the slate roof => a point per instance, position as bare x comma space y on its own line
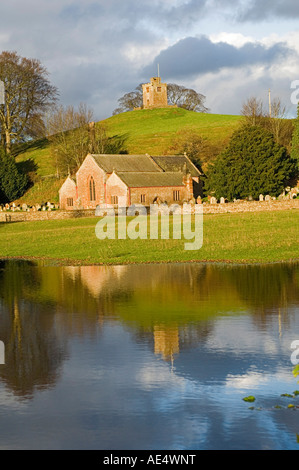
176, 163
126, 163
146, 163
149, 179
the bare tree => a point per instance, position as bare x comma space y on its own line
129, 101
68, 133
175, 93
186, 98
274, 120
28, 94
253, 111
73, 134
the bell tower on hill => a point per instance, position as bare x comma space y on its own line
155, 94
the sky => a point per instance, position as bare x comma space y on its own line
97, 50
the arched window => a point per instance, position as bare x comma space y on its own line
92, 189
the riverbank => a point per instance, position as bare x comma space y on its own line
249, 237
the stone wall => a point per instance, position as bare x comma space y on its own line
163, 193
237, 207
44, 215
250, 206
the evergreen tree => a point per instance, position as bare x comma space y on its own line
12, 183
295, 139
252, 164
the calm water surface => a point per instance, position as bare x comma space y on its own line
148, 357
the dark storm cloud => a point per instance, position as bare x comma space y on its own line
83, 45
133, 12
256, 10
195, 56
96, 50
185, 14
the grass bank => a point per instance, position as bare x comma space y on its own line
153, 130
146, 131
237, 238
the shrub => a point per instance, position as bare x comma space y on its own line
12, 183
252, 164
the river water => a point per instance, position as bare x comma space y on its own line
148, 357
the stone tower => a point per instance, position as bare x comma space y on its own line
155, 94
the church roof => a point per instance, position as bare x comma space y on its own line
176, 163
126, 163
149, 179
146, 163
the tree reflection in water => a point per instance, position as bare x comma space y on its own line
171, 307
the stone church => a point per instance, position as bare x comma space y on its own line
124, 180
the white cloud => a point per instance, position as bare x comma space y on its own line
234, 39
139, 55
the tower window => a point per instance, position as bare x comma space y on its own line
159, 89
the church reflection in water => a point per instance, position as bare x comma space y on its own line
171, 307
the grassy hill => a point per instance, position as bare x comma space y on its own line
146, 131
152, 131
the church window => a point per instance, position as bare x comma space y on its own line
92, 190
176, 195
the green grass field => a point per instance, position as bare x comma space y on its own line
238, 238
153, 131
146, 131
